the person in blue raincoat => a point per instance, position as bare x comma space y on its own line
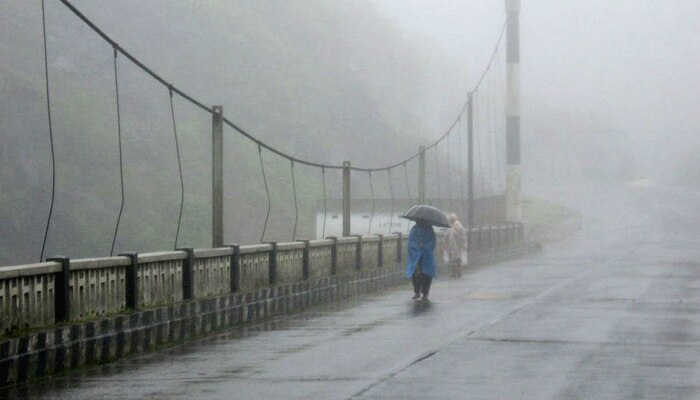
420, 267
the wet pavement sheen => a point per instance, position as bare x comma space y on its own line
613, 313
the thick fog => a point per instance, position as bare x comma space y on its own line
609, 89
608, 92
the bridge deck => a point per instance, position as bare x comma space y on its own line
611, 314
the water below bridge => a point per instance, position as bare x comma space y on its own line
613, 313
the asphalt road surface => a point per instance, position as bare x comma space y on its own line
612, 313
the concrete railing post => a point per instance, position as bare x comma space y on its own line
334, 254
187, 273
61, 291
217, 173
235, 279
358, 252
273, 263
306, 259
346, 198
131, 281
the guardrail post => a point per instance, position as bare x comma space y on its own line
334, 254
187, 274
273, 263
131, 281
399, 250
358, 253
380, 251
235, 267
306, 259
508, 227
61, 291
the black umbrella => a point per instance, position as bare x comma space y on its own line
429, 214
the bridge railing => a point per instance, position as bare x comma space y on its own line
65, 290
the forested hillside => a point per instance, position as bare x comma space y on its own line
326, 81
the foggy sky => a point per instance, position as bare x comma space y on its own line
596, 75
630, 64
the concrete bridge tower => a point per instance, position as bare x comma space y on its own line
513, 170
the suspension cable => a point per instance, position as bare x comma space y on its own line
121, 156
48, 107
371, 191
179, 167
296, 206
267, 193
238, 129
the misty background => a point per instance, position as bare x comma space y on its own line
608, 92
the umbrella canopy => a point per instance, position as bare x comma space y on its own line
429, 214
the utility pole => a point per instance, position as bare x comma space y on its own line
470, 158
513, 169
217, 173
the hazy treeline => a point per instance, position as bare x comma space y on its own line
326, 81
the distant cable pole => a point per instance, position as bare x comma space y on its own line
513, 171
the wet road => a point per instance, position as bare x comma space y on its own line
613, 313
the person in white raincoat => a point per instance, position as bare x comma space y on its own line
455, 247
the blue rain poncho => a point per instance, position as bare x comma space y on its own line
421, 248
